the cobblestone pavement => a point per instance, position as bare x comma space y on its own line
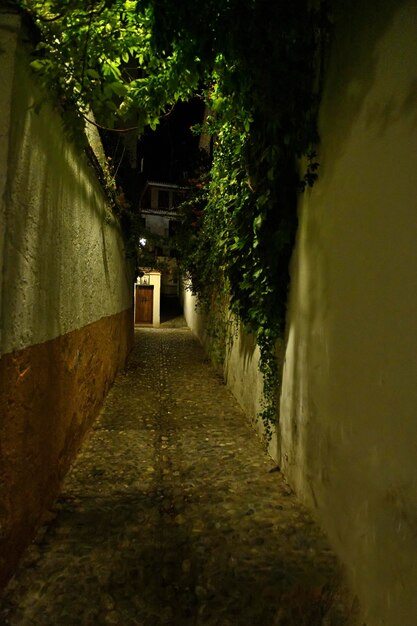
173, 514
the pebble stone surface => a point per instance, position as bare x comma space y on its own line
173, 514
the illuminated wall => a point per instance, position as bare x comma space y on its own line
66, 295
348, 404
240, 368
349, 401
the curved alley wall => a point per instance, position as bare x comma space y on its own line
66, 316
349, 400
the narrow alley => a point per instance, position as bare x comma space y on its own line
172, 514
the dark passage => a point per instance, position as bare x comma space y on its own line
172, 515
171, 311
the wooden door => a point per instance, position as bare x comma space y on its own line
144, 304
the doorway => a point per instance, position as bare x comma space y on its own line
144, 304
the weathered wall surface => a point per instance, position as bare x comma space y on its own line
194, 318
66, 296
349, 400
349, 397
240, 368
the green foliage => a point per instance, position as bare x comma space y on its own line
100, 55
256, 64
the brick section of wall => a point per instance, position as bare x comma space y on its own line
50, 394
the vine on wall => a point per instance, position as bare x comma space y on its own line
255, 63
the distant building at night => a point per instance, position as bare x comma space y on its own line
158, 206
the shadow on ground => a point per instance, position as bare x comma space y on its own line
171, 515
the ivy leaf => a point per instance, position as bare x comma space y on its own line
257, 223
93, 73
118, 88
37, 65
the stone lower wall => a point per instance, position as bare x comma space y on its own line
50, 395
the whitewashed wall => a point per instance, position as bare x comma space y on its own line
66, 296
348, 424
349, 401
63, 263
240, 369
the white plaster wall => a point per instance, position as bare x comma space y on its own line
63, 263
242, 376
9, 29
155, 280
349, 399
241, 367
193, 316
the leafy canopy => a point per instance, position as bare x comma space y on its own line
256, 64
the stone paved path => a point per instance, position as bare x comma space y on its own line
172, 514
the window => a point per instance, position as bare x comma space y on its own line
146, 199
179, 196
163, 199
172, 229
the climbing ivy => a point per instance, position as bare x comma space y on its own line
256, 64
263, 120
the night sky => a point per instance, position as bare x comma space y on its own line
168, 153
